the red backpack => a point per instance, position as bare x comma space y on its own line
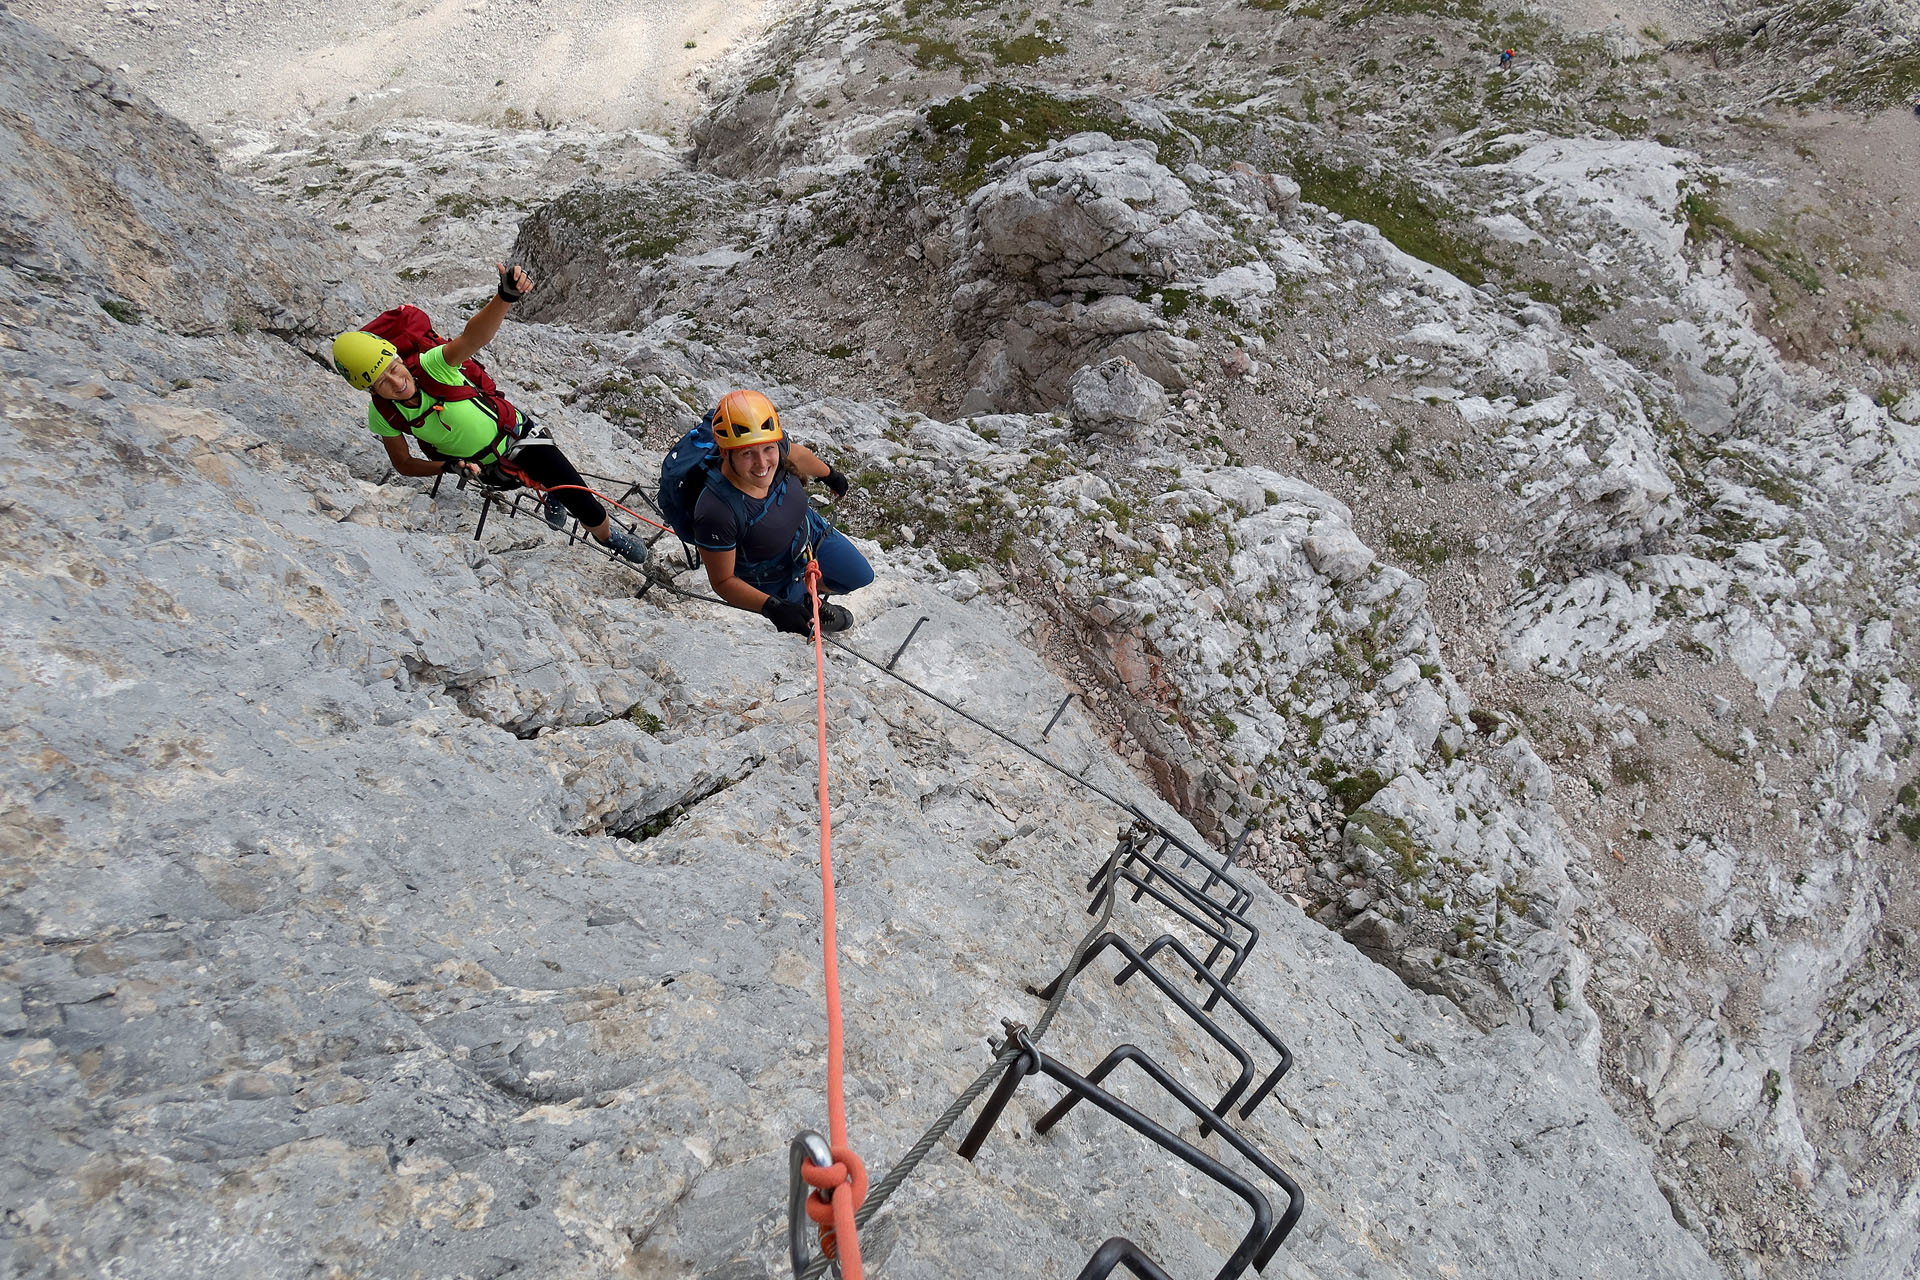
412, 333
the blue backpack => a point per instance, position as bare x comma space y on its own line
694, 463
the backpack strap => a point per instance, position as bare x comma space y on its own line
779, 567
446, 393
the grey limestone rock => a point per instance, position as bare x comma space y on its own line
1115, 398
379, 901
1043, 344
1341, 558
1054, 255
102, 191
1088, 215
389, 903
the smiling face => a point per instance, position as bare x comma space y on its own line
394, 383
753, 467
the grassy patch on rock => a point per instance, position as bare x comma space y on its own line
1417, 223
1706, 219
640, 223
1003, 120
1389, 837
1024, 51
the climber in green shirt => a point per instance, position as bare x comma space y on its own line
426, 396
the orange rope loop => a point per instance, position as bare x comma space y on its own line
834, 1214
841, 1237
537, 487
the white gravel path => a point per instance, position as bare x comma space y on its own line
227, 64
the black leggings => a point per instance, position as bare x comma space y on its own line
539, 460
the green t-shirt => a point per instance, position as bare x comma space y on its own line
456, 429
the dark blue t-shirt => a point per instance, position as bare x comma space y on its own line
772, 521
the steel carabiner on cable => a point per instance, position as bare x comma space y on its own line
807, 1145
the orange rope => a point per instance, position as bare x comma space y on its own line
537, 487
832, 1213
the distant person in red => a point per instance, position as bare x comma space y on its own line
1506, 56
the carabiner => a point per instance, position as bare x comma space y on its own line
808, 1145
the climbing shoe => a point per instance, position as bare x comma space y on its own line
626, 546
834, 617
557, 513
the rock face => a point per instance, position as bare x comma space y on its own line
105, 193
1115, 398
1087, 215
380, 901
1552, 639
1049, 261
1535, 576
409, 955
1042, 347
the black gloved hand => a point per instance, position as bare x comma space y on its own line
836, 482
794, 619
509, 291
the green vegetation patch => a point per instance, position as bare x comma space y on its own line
1349, 792
1578, 309
1879, 83
1466, 10
1417, 223
1906, 813
1024, 51
642, 223
931, 51
945, 8
1005, 120
1389, 835
1705, 220
1625, 126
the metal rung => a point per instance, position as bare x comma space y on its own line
1218, 871
1033, 1061
1205, 914
1296, 1199
920, 622
1058, 712
1139, 962
1120, 1251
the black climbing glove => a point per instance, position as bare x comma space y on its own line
836, 482
507, 292
794, 619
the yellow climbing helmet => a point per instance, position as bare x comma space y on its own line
361, 357
743, 418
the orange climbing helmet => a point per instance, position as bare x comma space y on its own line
745, 418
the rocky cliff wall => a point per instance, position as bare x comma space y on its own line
1605, 355
384, 902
